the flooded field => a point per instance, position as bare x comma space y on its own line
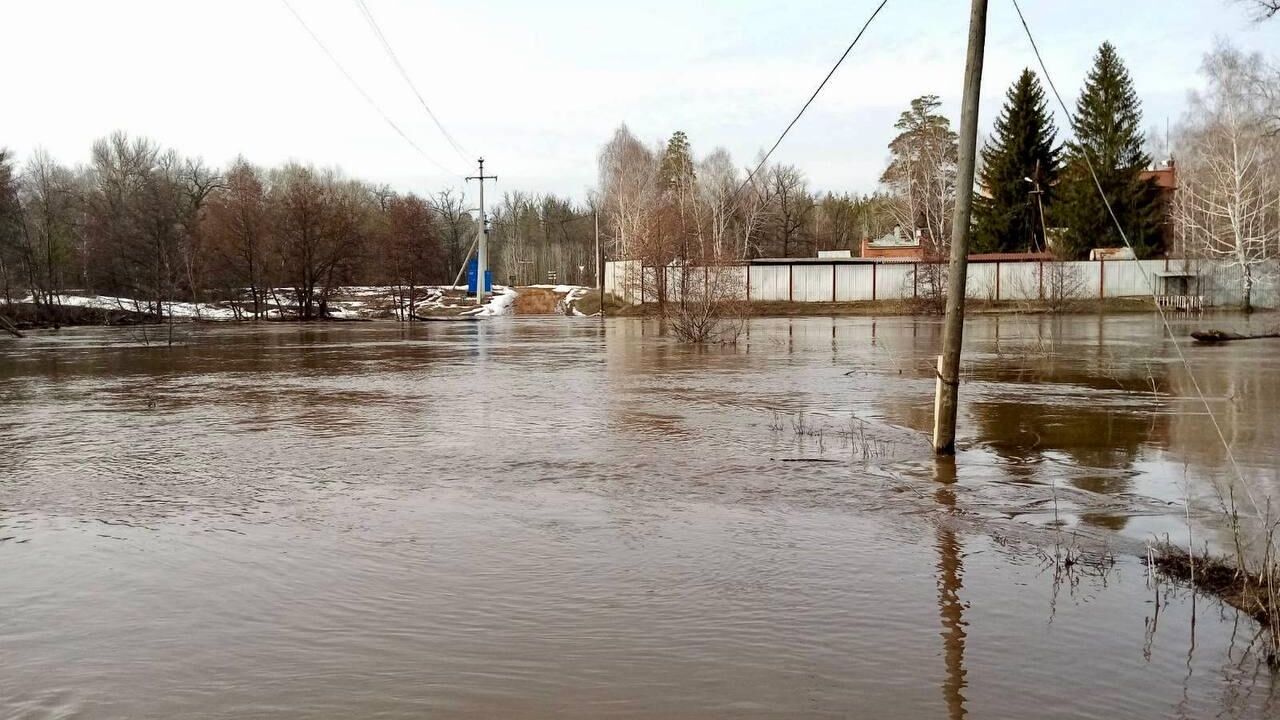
543, 518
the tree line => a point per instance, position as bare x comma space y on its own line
147, 223
1035, 191
151, 224
659, 203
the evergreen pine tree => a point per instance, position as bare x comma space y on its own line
1007, 214
1107, 122
676, 169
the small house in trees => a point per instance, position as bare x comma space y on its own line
1165, 178
894, 245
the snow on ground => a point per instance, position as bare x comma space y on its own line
498, 304
203, 311
563, 289
346, 303
572, 294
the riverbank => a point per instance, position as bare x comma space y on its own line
344, 304
443, 302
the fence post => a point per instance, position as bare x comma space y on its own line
915, 281
997, 281
873, 281
1102, 280
791, 282
1041, 264
833, 282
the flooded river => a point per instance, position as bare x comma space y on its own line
537, 518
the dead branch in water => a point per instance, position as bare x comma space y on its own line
1213, 337
9, 327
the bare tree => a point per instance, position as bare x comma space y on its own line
1263, 9
10, 222
755, 209
196, 182
415, 251
49, 204
320, 222
457, 227
629, 189
717, 182
1230, 194
240, 226
788, 226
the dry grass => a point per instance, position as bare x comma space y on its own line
536, 301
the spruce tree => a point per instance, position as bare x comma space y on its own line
1007, 215
1106, 125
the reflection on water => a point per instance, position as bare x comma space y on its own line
950, 582
577, 519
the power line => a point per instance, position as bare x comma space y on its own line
809, 102
373, 24
1084, 151
368, 98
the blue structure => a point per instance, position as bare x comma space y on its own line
471, 278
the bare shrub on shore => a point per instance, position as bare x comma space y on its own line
1063, 286
706, 304
1058, 288
931, 285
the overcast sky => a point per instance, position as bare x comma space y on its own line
537, 87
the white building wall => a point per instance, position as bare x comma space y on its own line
853, 283
1220, 282
896, 281
813, 283
981, 284
1019, 281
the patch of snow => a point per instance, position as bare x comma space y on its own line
499, 304
203, 311
562, 288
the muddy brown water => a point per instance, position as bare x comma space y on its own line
557, 517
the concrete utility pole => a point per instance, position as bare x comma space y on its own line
599, 279
948, 387
481, 257
600, 266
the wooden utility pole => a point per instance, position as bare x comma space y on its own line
948, 385
481, 258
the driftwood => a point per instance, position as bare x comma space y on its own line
9, 327
1213, 337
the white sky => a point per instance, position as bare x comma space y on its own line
538, 86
